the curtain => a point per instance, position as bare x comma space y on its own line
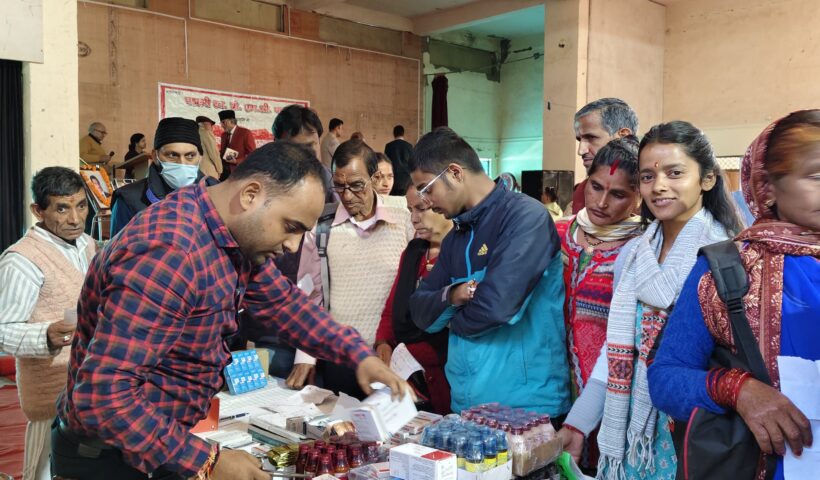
11, 153
439, 115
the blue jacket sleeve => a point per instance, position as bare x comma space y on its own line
526, 245
677, 377
120, 216
429, 301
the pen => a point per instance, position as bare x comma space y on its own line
232, 417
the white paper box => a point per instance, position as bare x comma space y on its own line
417, 462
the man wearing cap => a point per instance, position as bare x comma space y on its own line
176, 158
238, 139
211, 164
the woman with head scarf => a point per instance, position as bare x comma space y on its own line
780, 178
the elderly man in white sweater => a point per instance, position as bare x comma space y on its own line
367, 237
40, 279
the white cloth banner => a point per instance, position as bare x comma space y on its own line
254, 112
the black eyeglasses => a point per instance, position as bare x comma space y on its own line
357, 187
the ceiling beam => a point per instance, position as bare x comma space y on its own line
343, 10
464, 14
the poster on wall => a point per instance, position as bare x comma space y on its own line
254, 112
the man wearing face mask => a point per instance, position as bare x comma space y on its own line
176, 156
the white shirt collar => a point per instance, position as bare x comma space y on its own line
80, 244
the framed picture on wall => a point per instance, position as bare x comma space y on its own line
98, 183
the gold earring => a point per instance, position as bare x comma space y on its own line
769, 203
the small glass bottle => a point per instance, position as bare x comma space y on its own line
356, 457
324, 466
460, 449
312, 463
474, 457
341, 467
490, 451
501, 441
371, 452
302, 457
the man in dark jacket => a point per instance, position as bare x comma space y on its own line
176, 156
399, 152
497, 284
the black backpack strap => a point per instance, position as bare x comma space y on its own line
322, 239
732, 284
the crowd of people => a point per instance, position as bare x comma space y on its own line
611, 319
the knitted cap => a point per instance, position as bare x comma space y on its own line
177, 130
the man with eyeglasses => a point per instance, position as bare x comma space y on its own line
364, 243
497, 284
91, 149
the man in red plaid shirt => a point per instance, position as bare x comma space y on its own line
159, 302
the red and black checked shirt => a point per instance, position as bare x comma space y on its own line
157, 305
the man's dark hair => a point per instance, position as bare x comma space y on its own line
283, 165
54, 182
398, 131
441, 147
334, 122
293, 119
615, 115
347, 151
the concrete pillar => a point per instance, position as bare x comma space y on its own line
566, 35
51, 96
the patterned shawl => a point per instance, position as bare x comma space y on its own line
766, 244
630, 420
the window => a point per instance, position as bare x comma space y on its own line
487, 165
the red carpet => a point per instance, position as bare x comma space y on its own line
12, 425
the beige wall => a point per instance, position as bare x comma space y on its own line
133, 50
603, 55
50, 99
627, 62
566, 35
733, 66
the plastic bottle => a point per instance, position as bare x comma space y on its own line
474, 457
548, 429
324, 466
341, 467
490, 450
501, 441
517, 445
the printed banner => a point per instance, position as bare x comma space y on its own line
254, 112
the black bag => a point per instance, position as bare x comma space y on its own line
722, 446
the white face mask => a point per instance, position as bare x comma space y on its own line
178, 175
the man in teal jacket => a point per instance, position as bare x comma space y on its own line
497, 284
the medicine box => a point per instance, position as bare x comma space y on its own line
417, 462
245, 372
